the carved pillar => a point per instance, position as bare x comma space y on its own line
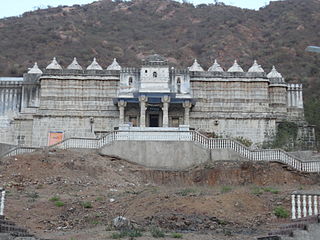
165, 111
121, 104
187, 105
143, 100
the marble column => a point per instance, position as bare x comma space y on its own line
121, 104
187, 105
165, 111
143, 100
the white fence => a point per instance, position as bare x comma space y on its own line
304, 205
276, 155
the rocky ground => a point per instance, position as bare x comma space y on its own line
76, 194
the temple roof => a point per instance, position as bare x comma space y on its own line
114, 65
94, 65
74, 65
196, 67
35, 70
235, 67
256, 68
54, 65
274, 73
216, 67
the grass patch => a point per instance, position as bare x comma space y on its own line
271, 190
157, 232
86, 204
99, 199
127, 233
258, 190
186, 192
225, 189
54, 199
59, 203
176, 235
281, 212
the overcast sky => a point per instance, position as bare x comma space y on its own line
17, 7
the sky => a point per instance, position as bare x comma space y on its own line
17, 7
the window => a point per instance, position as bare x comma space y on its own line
146, 71
178, 85
175, 122
133, 121
155, 74
130, 82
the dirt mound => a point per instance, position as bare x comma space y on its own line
76, 194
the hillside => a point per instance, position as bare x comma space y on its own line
275, 35
76, 194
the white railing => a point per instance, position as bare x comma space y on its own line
276, 155
3, 193
304, 205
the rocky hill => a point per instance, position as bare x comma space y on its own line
275, 35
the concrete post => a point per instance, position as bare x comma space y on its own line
3, 192
143, 100
121, 104
187, 105
165, 110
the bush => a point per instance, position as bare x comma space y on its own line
271, 190
225, 189
157, 233
54, 199
176, 235
244, 141
186, 192
281, 212
59, 203
127, 233
86, 205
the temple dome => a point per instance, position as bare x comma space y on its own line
235, 67
35, 70
256, 68
196, 67
54, 65
216, 67
94, 65
74, 65
114, 65
274, 73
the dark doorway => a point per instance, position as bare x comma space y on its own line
153, 120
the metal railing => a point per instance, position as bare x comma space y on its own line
270, 155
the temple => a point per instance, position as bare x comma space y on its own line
48, 105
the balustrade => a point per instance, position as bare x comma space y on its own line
304, 205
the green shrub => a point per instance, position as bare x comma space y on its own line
86, 205
244, 141
54, 199
257, 191
157, 233
281, 212
59, 203
271, 190
127, 233
176, 235
186, 192
225, 189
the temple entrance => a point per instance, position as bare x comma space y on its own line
154, 120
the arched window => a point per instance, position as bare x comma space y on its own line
155, 74
178, 85
130, 81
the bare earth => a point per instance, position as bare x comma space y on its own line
221, 201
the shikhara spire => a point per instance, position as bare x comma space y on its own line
94, 65
54, 65
114, 65
196, 67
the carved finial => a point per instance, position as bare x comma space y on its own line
235, 67
274, 73
94, 65
256, 67
74, 65
196, 67
35, 69
54, 65
114, 65
216, 67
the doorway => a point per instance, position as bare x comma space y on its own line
154, 120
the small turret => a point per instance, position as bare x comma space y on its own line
54, 65
94, 65
114, 66
235, 67
196, 67
35, 70
256, 68
216, 67
74, 65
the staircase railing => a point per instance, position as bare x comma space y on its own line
304, 205
269, 155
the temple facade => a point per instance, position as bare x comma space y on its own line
48, 105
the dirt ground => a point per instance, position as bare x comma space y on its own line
76, 194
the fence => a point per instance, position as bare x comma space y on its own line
274, 155
304, 205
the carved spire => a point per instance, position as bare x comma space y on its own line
54, 65
35, 70
94, 65
235, 67
114, 65
196, 67
256, 68
274, 73
216, 67
74, 65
